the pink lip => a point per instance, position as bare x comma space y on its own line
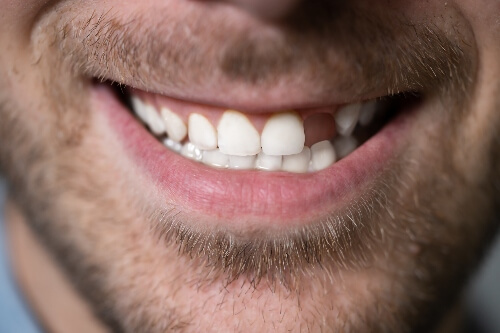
275, 199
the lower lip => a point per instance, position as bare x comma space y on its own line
239, 198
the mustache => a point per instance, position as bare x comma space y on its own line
359, 48
331, 45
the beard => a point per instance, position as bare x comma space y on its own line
391, 260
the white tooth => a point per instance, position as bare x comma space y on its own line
175, 127
283, 134
155, 123
148, 115
344, 145
346, 119
242, 162
154, 120
268, 162
201, 132
189, 150
173, 145
367, 112
297, 163
215, 158
322, 155
237, 135
139, 108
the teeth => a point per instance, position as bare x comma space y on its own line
155, 122
268, 162
322, 155
242, 162
236, 143
139, 108
201, 132
174, 126
215, 158
297, 163
367, 112
173, 145
148, 115
190, 151
346, 119
237, 135
283, 134
344, 145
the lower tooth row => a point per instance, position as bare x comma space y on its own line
320, 156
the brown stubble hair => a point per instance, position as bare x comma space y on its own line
41, 172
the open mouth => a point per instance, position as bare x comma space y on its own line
254, 169
297, 141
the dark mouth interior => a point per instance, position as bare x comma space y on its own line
388, 108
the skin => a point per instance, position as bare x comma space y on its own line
425, 220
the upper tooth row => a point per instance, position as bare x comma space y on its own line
283, 133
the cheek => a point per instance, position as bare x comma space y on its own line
482, 15
19, 15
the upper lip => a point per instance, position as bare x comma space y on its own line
244, 100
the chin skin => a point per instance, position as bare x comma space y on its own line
424, 223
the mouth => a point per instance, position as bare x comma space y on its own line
298, 141
266, 138
257, 169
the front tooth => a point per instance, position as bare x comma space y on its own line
322, 155
215, 158
242, 162
344, 145
201, 132
236, 135
346, 118
297, 163
268, 162
283, 134
174, 126
189, 150
367, 112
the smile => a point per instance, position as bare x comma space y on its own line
291, 141
240, 169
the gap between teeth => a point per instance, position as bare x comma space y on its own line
236, 144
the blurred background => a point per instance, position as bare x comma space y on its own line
14, 315
482, 295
